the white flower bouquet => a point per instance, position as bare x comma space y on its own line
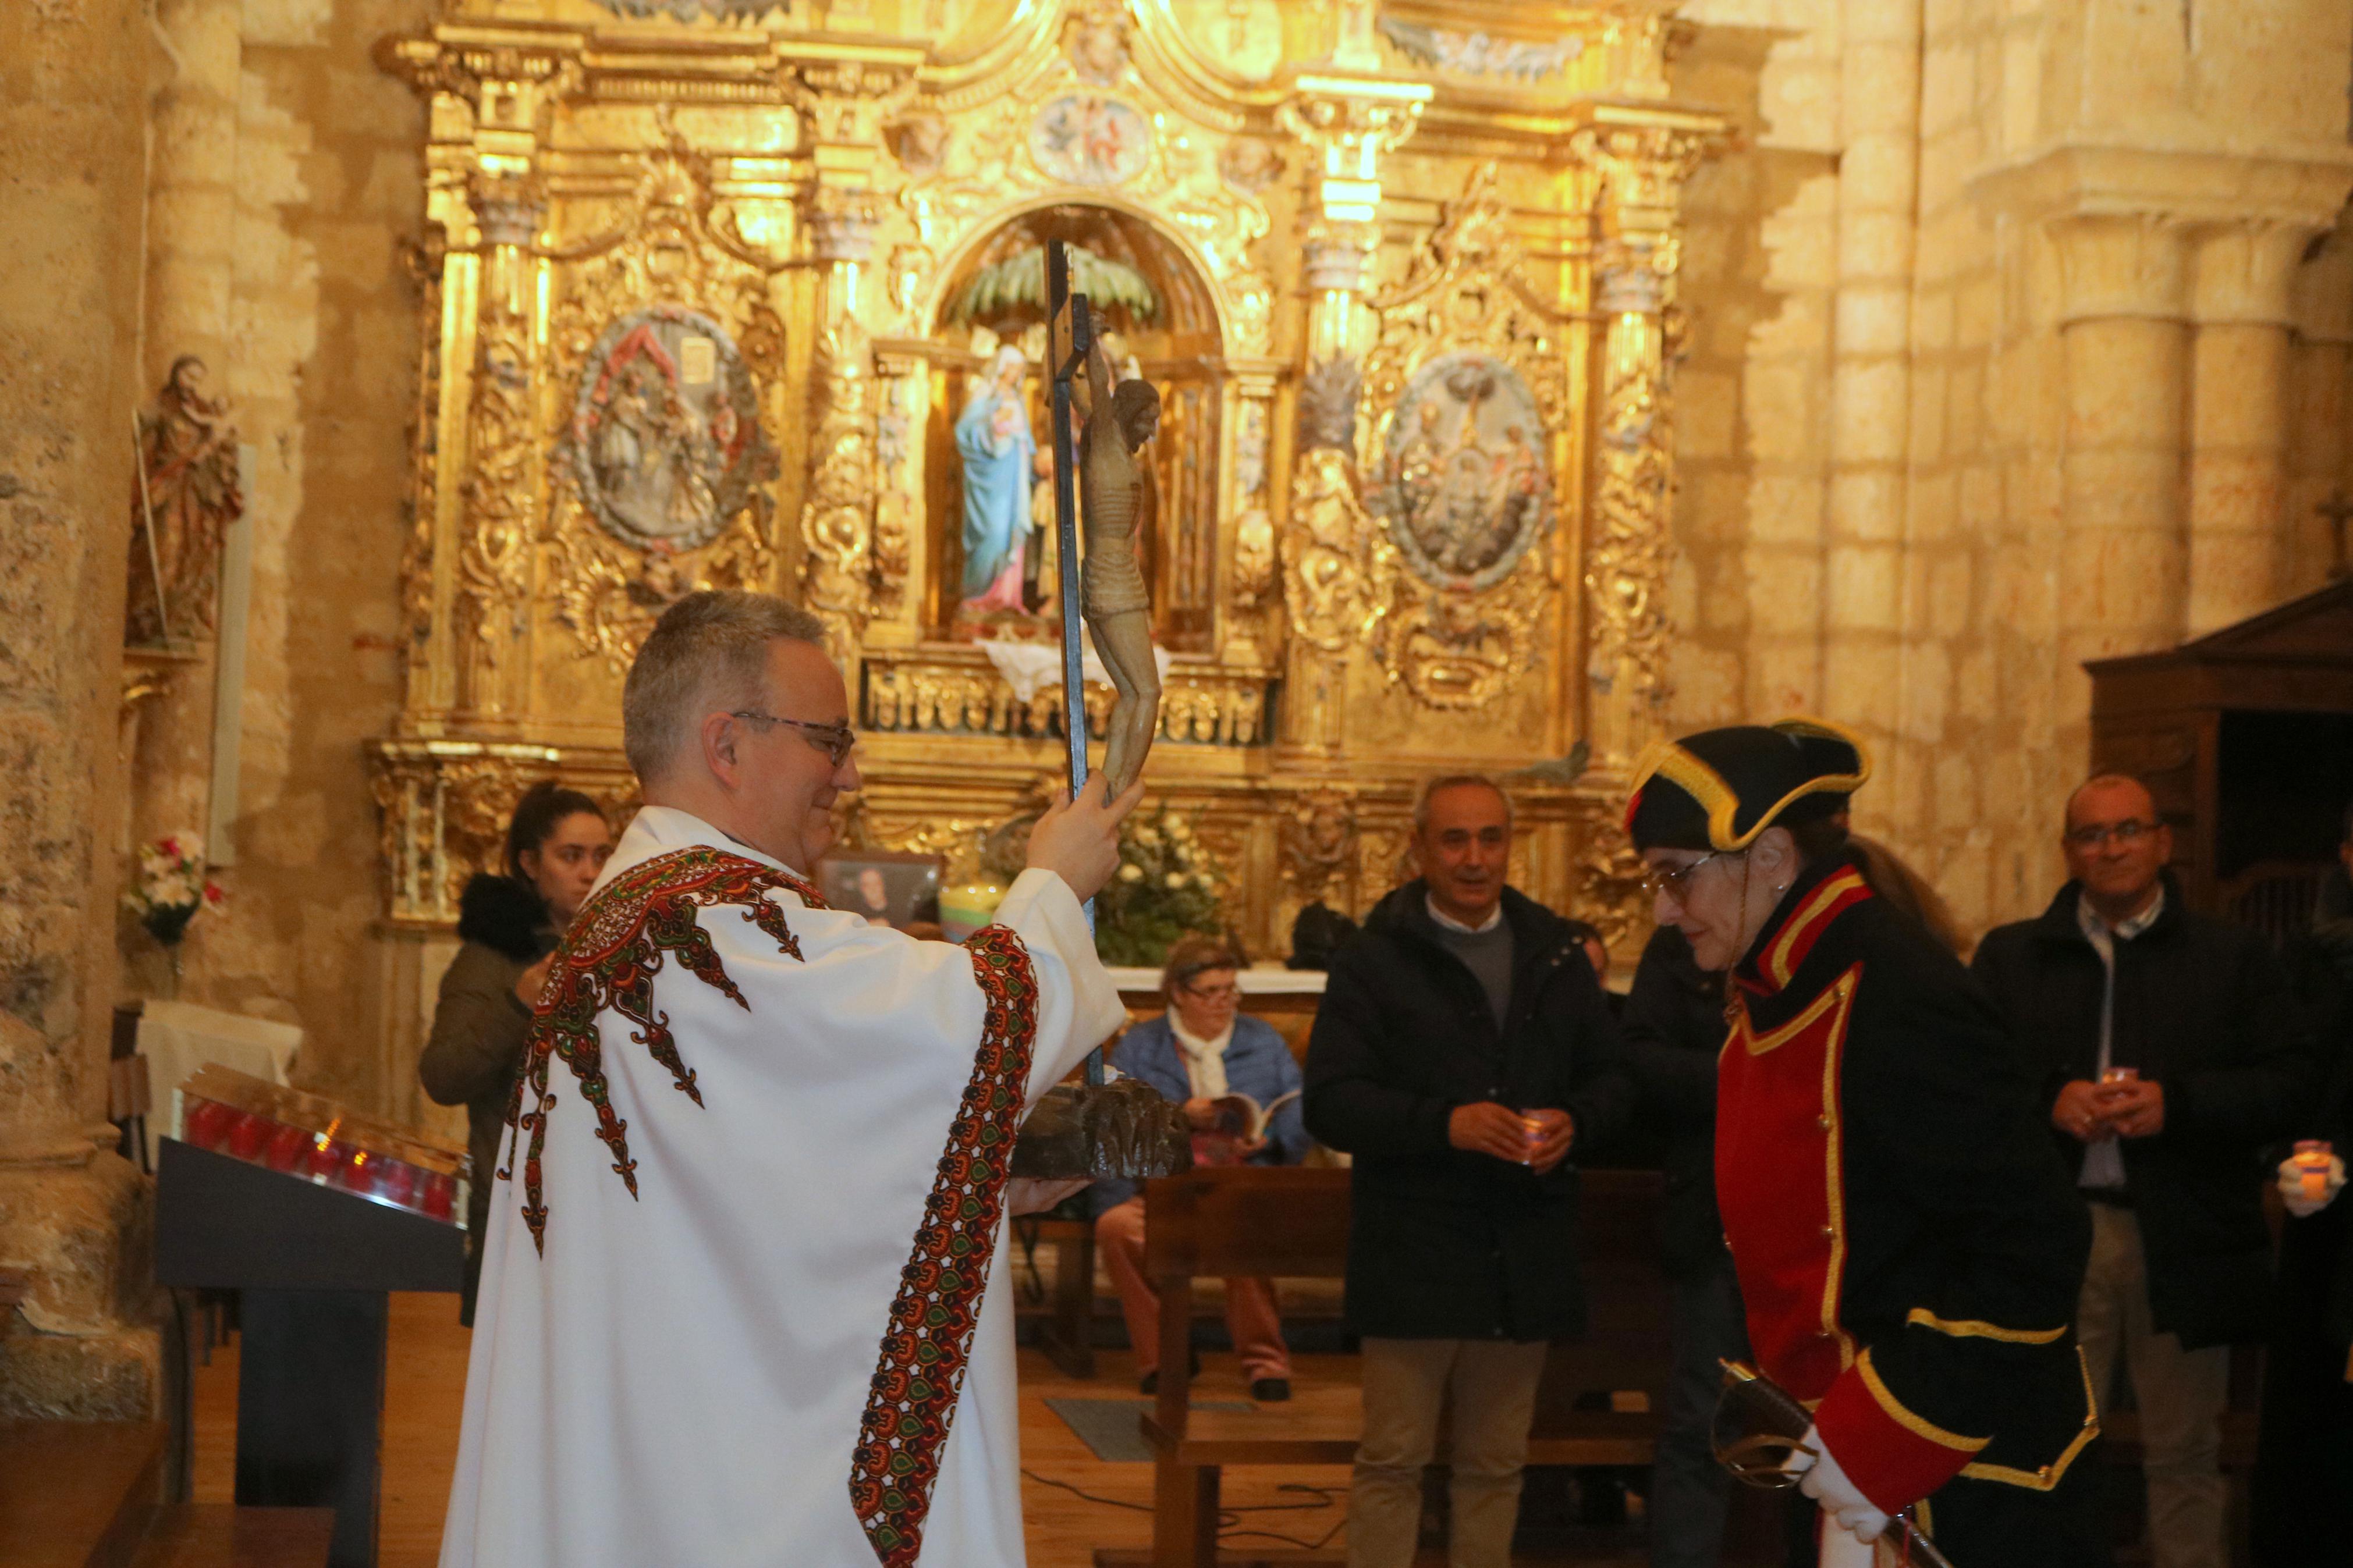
170, 888
1167, 887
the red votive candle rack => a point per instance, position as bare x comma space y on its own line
313, 1139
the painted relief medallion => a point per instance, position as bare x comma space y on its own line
1082, 140
1463, 483
665, 436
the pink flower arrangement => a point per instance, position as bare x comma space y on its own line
172, 889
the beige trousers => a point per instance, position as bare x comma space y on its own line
2180, 1394
1491, 1385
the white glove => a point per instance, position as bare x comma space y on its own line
2292, 1189
1826, 1483
1839, 1550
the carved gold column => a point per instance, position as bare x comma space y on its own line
1347, 119
500, 493
1643, 161
842, 103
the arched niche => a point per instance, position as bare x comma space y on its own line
1165, 315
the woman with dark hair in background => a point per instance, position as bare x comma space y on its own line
508, 921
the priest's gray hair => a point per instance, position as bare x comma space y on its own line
1431, 789
708, 654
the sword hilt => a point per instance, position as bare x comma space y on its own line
1772, 1407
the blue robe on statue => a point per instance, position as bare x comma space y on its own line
997, 479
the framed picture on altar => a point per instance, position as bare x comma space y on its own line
885, 888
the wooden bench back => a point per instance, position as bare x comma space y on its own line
1293, 1223
1244, 1221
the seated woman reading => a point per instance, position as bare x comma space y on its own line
1198, 1053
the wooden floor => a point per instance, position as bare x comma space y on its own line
428, 1381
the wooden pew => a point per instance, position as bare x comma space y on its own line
1294, 1223
87, 1494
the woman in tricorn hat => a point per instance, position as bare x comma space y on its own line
1908, 1249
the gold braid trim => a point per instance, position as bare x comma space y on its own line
2049, 1476
1976, 1329
1918, 1425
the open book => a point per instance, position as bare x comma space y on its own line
1239, 1116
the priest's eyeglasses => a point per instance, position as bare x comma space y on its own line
836, 740
2094, 836
1673, 882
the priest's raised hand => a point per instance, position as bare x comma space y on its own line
735, 1303
1078, 840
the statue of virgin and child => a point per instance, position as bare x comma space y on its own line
1002, 461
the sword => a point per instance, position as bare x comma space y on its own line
1780, 1424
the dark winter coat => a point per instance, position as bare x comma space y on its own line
2303, 1453
1446, 1244
2204, 1008
480, 1027
1673, 1026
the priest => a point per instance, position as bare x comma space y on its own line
735, 1306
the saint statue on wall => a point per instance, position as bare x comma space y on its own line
187, 496
1001, 459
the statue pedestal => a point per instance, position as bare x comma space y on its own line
1121, 1129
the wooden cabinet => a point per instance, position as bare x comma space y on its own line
2245, 736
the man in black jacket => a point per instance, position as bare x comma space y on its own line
1674, 1026
2166, 1049
1463, 1050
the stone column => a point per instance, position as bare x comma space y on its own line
1865, 555
190, 271
2125, 345
2320, 486
2239, 420
72, 138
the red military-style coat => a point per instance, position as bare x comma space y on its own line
1909, 1249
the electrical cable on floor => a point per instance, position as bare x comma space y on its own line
1229, 1519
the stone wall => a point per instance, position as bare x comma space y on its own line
72, 139
2016, 333
2041, 358
297, 261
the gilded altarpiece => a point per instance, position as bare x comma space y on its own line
714, 287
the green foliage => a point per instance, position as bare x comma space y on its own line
1019, 282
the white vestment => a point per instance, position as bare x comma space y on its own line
680, 1378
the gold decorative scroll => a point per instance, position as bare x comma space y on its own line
838, 566
670, 247
1466, 291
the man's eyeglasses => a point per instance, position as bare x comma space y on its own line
1672, 882
1226, 993
836, 740
2094, 836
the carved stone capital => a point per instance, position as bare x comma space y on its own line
845, 101
509, 85
1643, 164
1337, 257
1348, 122
842, 224
1633, 278
508, 207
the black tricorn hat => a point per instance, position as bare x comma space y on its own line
1720, 788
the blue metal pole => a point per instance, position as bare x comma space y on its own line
1066, 318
